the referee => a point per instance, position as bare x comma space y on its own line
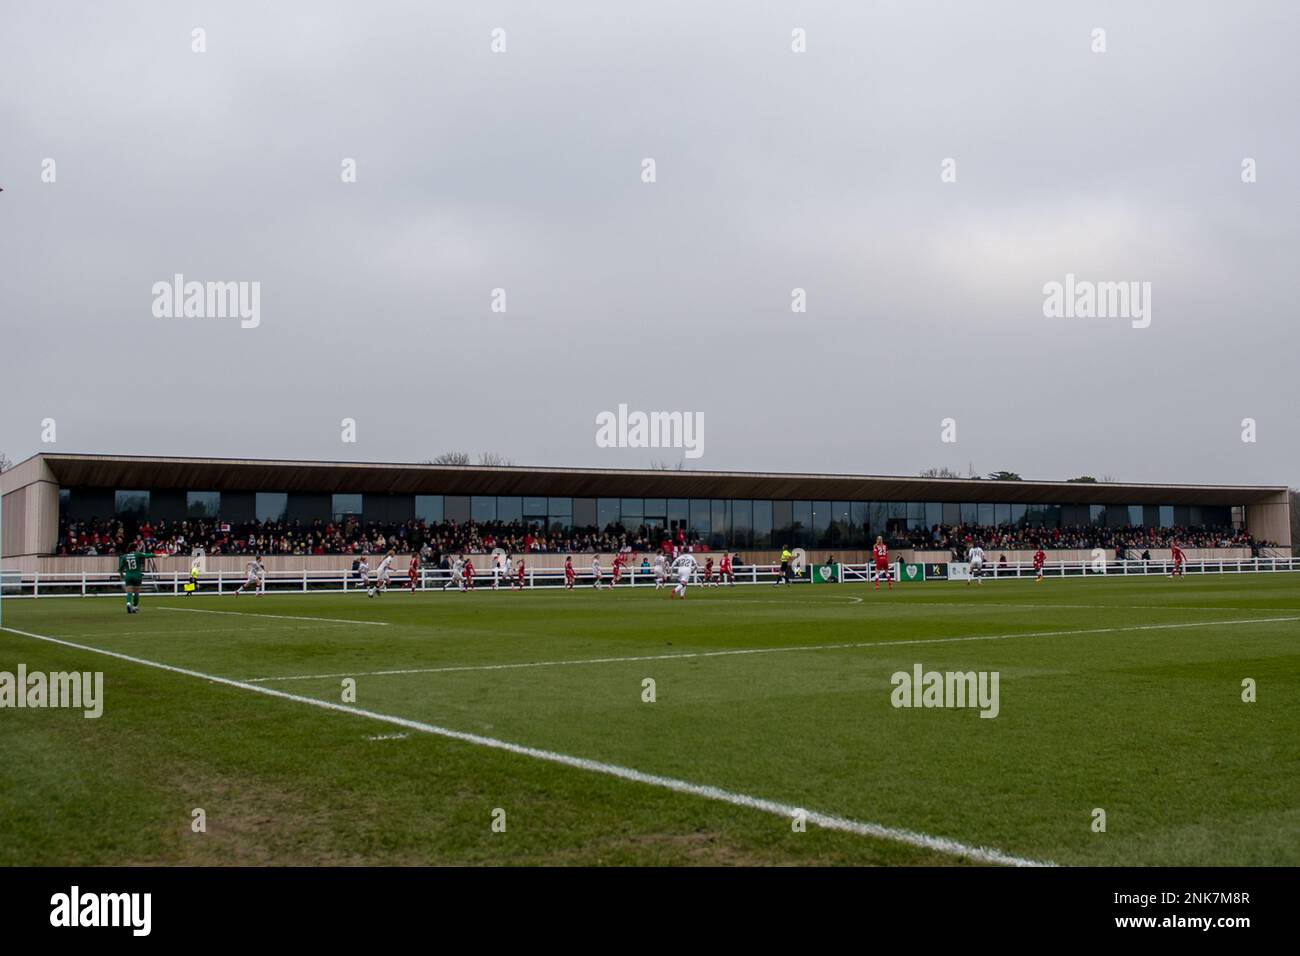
784, 577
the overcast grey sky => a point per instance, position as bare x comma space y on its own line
522, 170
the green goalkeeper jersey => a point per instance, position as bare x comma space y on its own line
131, 563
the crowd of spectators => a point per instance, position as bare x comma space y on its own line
214, 536
960, 538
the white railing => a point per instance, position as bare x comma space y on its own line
91, 584
1129, 568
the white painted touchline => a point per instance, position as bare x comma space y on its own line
736, 652
788, 811
283, 617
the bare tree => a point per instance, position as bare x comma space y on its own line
492, 459
5, 463
665, 466
942, 472
449, 458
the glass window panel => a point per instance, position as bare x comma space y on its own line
821, 524
608, 513
270, 505
65, 496
678, 512
1001, 514
510, 508
742, 523
801, 524
841, 524
428, 508
341, 505
970, 513
720, 527
782, 523
858, 521
701, 517
534, 506
762, 524
1135, 515
559, 506
656, 508
1096, 514
203, 504
456, 508
584, 512
1166, 516
984, 514
879, 515
131, 503
633, 511
483, 508
1018, 515
933, 514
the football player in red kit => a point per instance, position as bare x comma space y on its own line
880, 552
468, 571
1040, 556
724, 570
570, 575
1178, 560
618, 568
518, 583
708, 574
413, 573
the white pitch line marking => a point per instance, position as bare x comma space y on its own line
787, 811
761, 650
283, 617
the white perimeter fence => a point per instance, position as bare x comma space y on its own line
15, 584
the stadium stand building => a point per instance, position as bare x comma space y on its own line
751, 513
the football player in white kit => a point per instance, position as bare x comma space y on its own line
457, 566
256, 577
363, 572
595, 573
508, 567
684, 566
661, 572
976, 565
382, 574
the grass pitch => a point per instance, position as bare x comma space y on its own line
1118, 694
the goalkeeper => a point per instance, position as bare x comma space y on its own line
131, 565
